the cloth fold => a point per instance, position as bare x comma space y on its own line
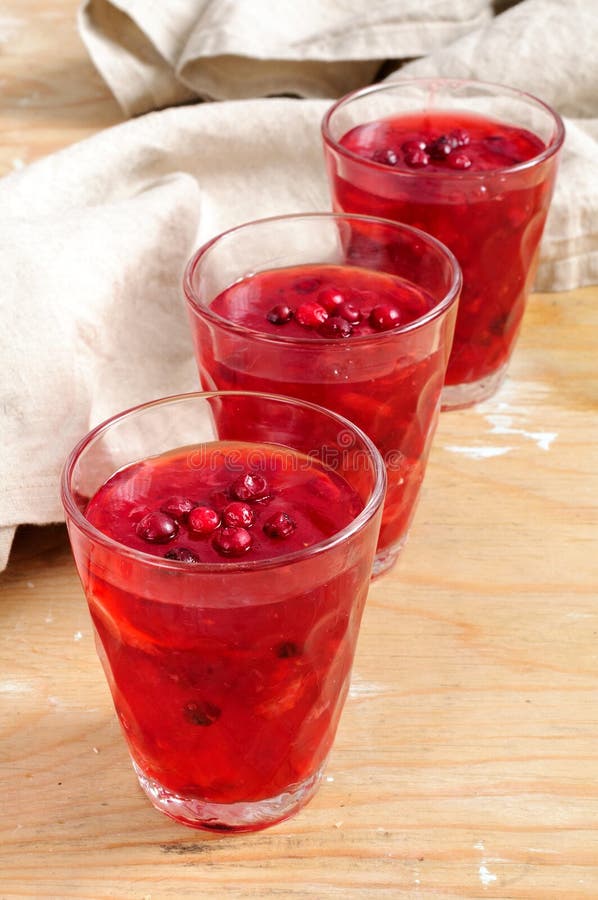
93, 239
156, 54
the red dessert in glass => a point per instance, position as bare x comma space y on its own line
226, 581
478, 182
395, 402
342, 332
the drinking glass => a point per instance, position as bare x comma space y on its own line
388, 383
228, 677
492, 220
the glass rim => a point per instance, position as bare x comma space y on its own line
439, 308
550, 150
372, 505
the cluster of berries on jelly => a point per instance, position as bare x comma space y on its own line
417, 154
228, 526
332, 314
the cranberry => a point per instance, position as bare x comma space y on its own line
307, 285
384, 317
417, 159
250, 486
178, 507
182, 554
157, 528
280, 525
202, 713
331, 299
459, 137
387, 157
238, 513
232, 541
203, 520
413, 146
280, 315
459, 161
350, 313
311, 314
499, 324
335, 326
440, 148
287, 649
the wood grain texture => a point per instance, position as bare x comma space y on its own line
466, 764
50, 93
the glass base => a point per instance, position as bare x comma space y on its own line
232, 817
460, 396
385, 559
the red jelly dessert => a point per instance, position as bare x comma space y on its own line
322, 302
228, 688
189, 505
438, 141
317, 324
463, 178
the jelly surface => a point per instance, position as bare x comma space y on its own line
350, 293
210, 477
486, 144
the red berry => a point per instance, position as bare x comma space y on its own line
250, 486
182, 554
335, 326
311, 314
280, 315
157, 528
440, 148
459, 137
387, 157
202, 713
178, 507
417, 159
350, 313
238, 513
384, 317
459, 161
330, 299
287, 650
280, 525
413, 146
232, 541
203, 520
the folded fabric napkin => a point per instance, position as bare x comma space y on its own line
93, 240
155, 54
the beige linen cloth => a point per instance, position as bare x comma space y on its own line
156, 53
93, 239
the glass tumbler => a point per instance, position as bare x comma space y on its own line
228, 676
388, 382
441, 154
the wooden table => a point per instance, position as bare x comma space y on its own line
466, 764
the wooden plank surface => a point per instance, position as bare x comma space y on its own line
466, 763
50, 93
